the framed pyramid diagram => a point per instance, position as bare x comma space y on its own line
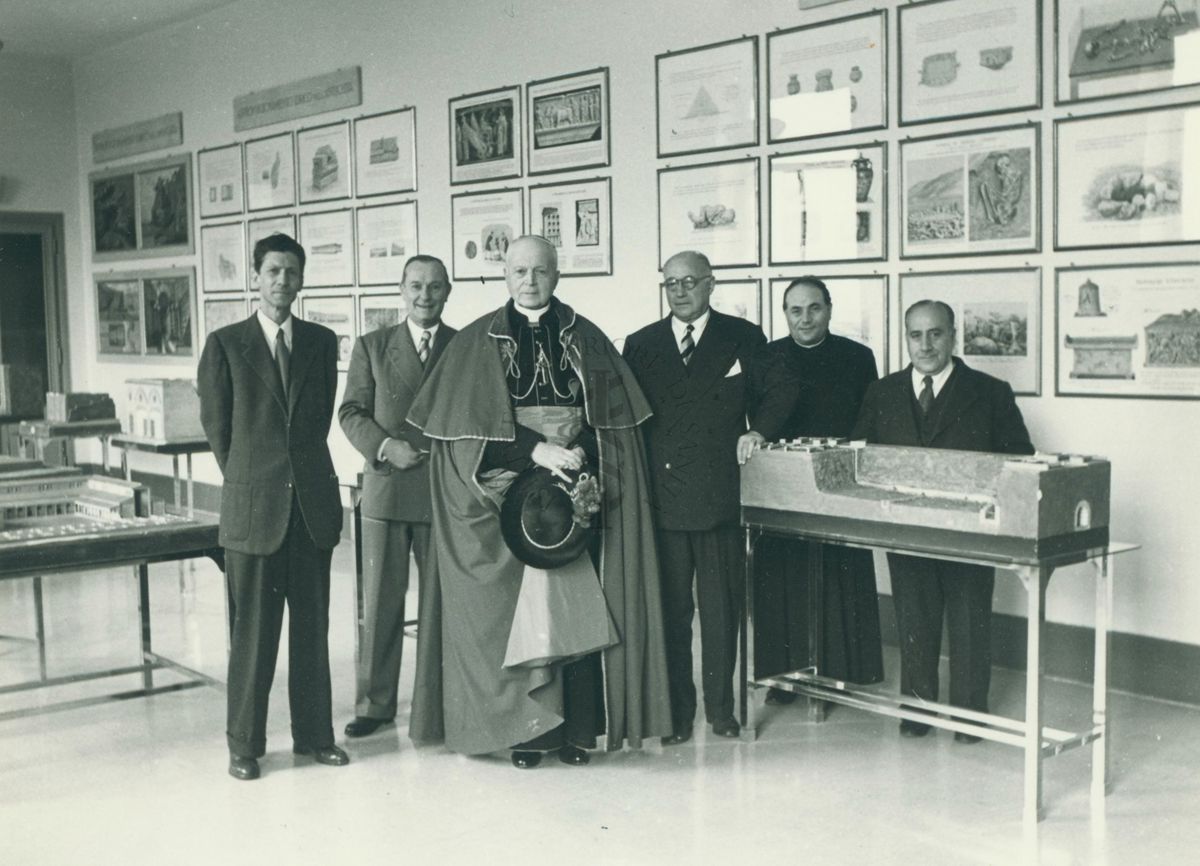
708, 97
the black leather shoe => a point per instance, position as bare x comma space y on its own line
244, 769
362, 726
910, 728
681, 735
965, 738
727, 727
780, 697
526, 760
331, 756
574, 755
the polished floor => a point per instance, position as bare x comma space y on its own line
143, 781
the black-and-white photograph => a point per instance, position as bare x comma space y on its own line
485, 136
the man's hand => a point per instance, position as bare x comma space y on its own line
747, 444
557, 459
402, 455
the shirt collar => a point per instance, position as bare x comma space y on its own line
534, 316
269, 328
680, 327
939, 379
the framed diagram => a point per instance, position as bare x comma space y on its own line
328, 239
482, 224
858, 311
142, 210
998, 319
966, 58
712, 209
377, 311
323, 162
221, 190
577, 218
976, 193
147, 314
335, 312
485, 135
270, 172
568, 122
1128, 330
1113, 47
387, 236
223, 257
1121, 182
257, 229
385, 153
707, 97
829, 205
219, 312
827, 78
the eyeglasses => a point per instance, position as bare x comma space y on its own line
687, 283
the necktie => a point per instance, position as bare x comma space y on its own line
283, 358
687, 345
925, 398
423, 348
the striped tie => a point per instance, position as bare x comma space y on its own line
423, 348
687, 345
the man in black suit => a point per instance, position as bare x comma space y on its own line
267, 389
693, 367
940, 402
387, 369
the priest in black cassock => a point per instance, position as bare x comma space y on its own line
831, 374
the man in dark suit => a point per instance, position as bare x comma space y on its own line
693, 367
940, 402
267, 389
387, 369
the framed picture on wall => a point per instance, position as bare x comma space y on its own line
328, 239
485, 135
827, 78
387, 236
973, 194
323, 160
965, 58
568, 122
829, 205
707, 97
385, 153
270, 172
119, 315
380, 311
223, 257
1128, 330
147, 314
1119, 179
220, 181
712, 209
1111, 47
859, 311
219, 312
335, 312
482, 224
997, 315
142, 210
577, 218
257, 229
739, 298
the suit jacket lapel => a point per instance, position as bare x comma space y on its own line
714, 355
402, 356
259, 358
959, 397
303, 351
440, 340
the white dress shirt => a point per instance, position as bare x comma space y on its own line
269, 330
939, 380
680, 328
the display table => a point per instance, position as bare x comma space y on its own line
1037, 740
175, 448
42, 433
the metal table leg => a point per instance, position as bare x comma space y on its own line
143, 577
746, 643
1100, 721
39, 625
1035, 579
817, 709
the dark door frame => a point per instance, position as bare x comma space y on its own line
50, 228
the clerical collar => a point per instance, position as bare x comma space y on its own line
534, 316
814, 345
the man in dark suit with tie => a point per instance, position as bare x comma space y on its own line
940, 402
693, 367
267, 388
387, 369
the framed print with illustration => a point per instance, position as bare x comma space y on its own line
964, 58
323, 160
568, 122
482, 224
485, 135
219, 312
387, 236
577, 218
829, 205
998, 317
220, 181
739, 298
335, 312
142, 210
707, 97
385, 153
712, 209
147, 314
328, 239
827, 78
223, 257
270, 172
973, 194
1128, 331
858, 311
1112, 47
257, 229
1121, 178
380, 311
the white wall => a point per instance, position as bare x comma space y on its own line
424, 52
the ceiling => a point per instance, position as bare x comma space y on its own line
65, 29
